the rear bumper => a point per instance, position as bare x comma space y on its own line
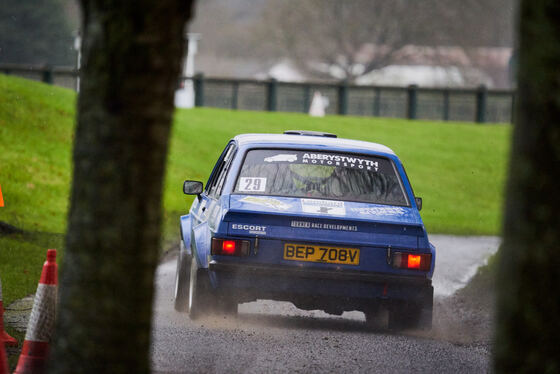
345, 290
302, 272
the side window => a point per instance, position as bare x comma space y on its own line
409, 182
216, 185
216, 171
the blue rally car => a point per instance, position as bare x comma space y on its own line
306, 217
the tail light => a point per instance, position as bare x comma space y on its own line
416, 261
228, 247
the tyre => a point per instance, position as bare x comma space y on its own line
182, 280
200, 297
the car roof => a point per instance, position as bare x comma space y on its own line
287, 140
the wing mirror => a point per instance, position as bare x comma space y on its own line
418, 201
192, 188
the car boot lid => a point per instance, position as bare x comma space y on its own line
330, 220
314, 208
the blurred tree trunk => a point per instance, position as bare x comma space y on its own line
528, 325
132, 52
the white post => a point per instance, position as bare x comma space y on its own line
78, 48
318, 105
184, 96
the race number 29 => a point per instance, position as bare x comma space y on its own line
250, 184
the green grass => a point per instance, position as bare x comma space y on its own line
36, 123
458, 168
35, 141
21, 260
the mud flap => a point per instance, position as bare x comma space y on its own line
413, 315
201, 243
182, 279
186, 226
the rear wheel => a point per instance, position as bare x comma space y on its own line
200, 297
182, 279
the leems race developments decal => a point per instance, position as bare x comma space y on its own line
323, 226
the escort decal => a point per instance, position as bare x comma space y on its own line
251, 229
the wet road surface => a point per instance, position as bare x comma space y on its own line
276, 337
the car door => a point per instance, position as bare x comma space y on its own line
205, 213
216, 189
200, 207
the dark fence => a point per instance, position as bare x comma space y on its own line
61, 75
447, 104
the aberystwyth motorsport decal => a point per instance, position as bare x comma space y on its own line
283, 156
340, 160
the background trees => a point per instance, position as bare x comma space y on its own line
342, 39
323, 39
347, 39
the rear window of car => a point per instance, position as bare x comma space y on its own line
325, 175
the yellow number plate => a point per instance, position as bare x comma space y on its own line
319, 253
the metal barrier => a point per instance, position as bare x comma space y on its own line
446, 104
63, 76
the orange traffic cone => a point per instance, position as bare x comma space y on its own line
8, 340
40, 328
3, 358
